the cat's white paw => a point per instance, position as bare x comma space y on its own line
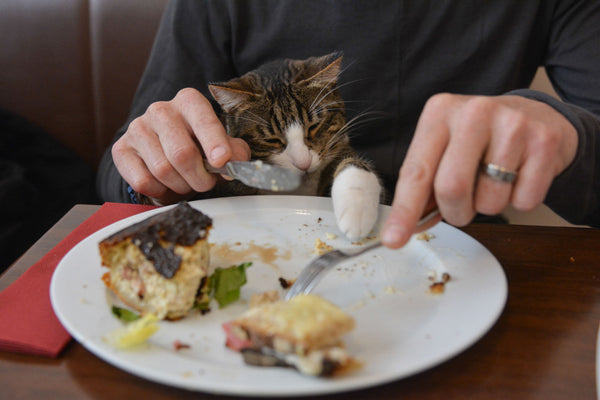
355, 195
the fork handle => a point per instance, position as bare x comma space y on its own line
426, 219
367, 248
422, 222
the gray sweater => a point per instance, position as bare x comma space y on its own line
397, 54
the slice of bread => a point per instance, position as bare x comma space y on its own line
304, 332
160, 264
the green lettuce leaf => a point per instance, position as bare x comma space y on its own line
124, 314
225, 283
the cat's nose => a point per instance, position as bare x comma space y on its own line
299, 155
302, 164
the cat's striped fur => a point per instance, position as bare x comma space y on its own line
291, 114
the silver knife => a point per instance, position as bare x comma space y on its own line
260, 175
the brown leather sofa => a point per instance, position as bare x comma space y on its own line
72, 66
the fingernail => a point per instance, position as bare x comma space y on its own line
217, 153
393, 235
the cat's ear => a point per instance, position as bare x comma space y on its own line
328, 73
229, 98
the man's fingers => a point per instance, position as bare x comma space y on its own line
415, 181
134, 171
178, 146
455, 178
534, 177
505, 151
205, 125
162, 153
455, 136
240, 149
149, 147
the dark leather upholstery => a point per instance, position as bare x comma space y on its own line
72, 66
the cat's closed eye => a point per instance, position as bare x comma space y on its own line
274, 142
313, 129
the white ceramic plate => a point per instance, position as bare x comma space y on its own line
401, 329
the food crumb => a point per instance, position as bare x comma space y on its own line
436, 288
426, 236
389, 290
572, 259
330, 236
178, 345
321, 247
286, 283
439, 286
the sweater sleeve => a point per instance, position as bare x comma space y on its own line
572, 62
575, 193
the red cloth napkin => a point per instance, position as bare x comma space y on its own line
27, 322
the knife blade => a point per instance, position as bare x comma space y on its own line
259, 174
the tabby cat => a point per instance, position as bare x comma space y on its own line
291, 114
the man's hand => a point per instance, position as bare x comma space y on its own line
161, 153
454, 136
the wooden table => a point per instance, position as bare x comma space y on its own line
542, 347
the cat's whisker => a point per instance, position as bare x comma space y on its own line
326, 106
350, 129
320, 97
356, 121
260, 121
323, 106
366, 117
318, 100
347, 102
259, 118
332, 80
323, 109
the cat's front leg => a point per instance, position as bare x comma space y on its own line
355, 195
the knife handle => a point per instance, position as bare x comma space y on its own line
214, 170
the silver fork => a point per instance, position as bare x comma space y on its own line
316, 270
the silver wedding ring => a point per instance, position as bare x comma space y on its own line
498, 173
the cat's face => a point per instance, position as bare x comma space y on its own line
289, 111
